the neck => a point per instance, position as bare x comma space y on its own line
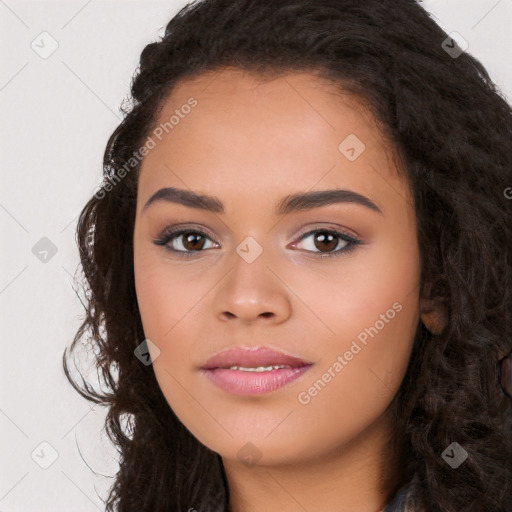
360, 476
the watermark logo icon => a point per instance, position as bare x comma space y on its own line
454, 455
351, 147
44, 455
249, 250
455, 45
44, 250
249, 454
44, 45
147, 352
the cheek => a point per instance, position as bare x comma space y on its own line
370, 295
163, 295
372, 311
172, 318
172, 308
359, 374
369, 311
157, 304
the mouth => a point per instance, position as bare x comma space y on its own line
253, 371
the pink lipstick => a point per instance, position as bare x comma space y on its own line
253, 371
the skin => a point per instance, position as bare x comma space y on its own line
250, 143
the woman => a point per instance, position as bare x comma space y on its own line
305, 227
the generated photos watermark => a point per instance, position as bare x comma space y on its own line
305, 397
111, 181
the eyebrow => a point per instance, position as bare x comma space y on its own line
290, 203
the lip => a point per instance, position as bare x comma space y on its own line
243, 382
252, 357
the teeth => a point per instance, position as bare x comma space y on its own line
259, 368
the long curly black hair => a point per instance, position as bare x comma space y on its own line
453, 131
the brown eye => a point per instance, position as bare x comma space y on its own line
326, 242
185, 241
193, 241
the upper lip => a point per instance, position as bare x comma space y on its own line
252, 357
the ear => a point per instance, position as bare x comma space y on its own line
433, 313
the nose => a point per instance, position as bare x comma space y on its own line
253, 292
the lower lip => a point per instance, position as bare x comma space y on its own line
240, 382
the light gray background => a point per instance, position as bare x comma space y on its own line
57, 114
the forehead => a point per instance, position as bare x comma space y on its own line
249, 133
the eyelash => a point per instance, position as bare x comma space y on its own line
171, 234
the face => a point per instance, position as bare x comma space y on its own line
330, 279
